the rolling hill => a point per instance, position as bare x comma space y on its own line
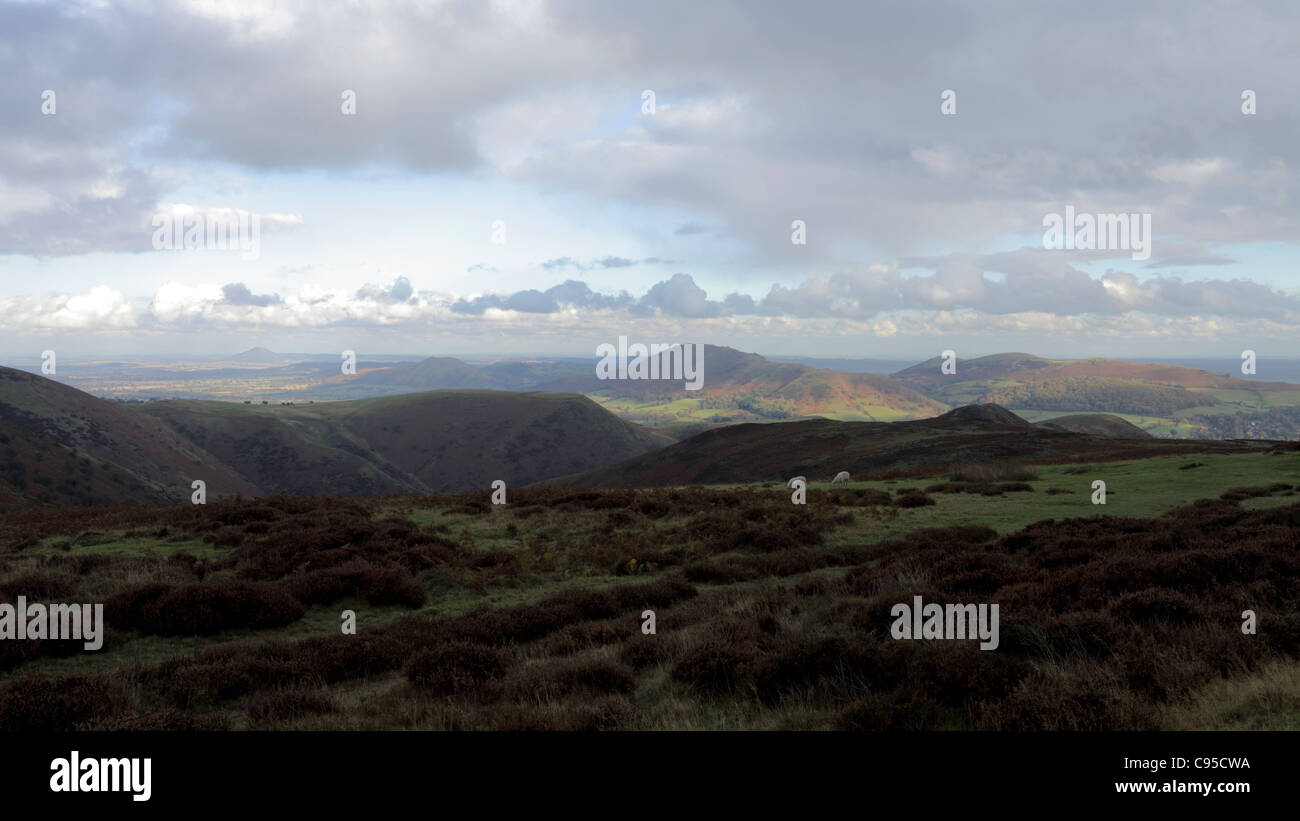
1171, 400
1096, 424
434, 441
819, 448
60, 446
1023, 367
737, 387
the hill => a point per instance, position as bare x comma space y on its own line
985, 413
819, 448
1169, 400
61, 447
737, 387
422, 442
260, 355
1096, 424
1023, 367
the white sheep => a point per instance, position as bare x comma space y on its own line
840, 478
803, 479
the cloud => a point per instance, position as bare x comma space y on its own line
236, 293
399, 290
100, 308
781, 122
678, 296
561, 263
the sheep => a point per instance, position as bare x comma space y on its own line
840, 478
803, 479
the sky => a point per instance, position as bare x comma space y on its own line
869, 179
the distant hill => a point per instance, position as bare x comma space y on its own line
737, 386
1096, 424
1025, 367
434, 373
261, 356
60, 446
1174, 400
819, 448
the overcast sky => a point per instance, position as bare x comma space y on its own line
504, 184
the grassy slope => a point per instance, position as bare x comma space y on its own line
558, 550
822, 448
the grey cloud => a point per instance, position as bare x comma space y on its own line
530, 301
998, 284
237, 293
678, 296
759, 129
576, 294
560, 263
399, 290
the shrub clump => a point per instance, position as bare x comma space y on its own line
377, 585
454, 668
201, 609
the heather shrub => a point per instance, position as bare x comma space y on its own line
640, 651
454, 668
1155, 604
42, 587
913, 500
286, 705
46, 704
202, 609
595, 676
377, 585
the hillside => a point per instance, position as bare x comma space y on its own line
226, 616
1167, 400
1096, 424
819, 448
422, 442
61, 447
737, 387
1023, 367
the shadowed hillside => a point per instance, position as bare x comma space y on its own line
819, 448
432, 441
60, 446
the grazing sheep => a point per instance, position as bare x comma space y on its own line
840, 478
803, 479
